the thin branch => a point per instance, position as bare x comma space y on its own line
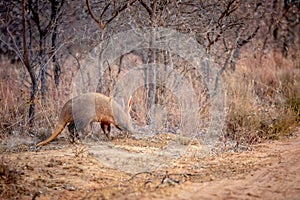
104, 10
98, 21
25, 54
47, 62
34, 9
228, 10
55, 8
16, 49
91, 12
250, 37
147, 7
118, 11
135, 175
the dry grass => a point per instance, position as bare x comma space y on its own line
263, 98
15, 91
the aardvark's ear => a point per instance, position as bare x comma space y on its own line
129, 103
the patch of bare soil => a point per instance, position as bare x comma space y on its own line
64, 171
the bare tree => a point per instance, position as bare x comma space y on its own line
33, 9
111, 11
36, 30
283, 26
46, 25
29, 67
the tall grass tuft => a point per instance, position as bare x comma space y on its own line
263, 99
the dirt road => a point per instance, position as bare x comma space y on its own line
279, 179
62, 171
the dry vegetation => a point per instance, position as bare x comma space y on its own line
263, 99
262, 103
255, 46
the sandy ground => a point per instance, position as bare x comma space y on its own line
121, 170
278, 179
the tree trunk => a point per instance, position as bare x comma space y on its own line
151, 76
55, 59
43, 68
29, 68
32, 102
100, 65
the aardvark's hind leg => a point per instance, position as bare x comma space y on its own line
106, 129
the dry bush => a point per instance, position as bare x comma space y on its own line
263, 99
13, 101
15, 91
